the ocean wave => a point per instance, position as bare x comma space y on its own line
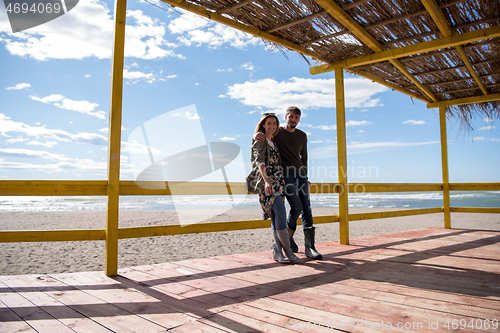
329, 200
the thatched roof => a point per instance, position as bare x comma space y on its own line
334, 31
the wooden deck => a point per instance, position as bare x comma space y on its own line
418, 280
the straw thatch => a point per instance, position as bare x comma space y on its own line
393, 24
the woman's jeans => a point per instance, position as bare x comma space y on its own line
297, 195
278, 216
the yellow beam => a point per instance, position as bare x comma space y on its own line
114, 142
413, 79
51, 236
437, 16
436, 44
393, 213
444, 164
396, 187
475, 187
471, 69
52, 187
99, 187
385, 83
340, 15
167, 230
466, 100
485, 210
237, 25
342, 157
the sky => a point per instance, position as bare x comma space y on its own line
55, 94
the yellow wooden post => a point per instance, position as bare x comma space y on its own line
342, 158
444, 160
115, 123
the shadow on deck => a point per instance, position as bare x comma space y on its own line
421, 280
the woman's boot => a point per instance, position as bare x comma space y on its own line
285, 242
278, 250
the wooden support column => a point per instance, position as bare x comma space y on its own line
342, 157
444, 160
114, 141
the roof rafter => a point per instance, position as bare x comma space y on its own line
449, 69
436, 44
312, 16
466, 100
234, 7
381, 23
438, 18
357, 30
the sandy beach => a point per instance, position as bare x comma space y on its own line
59, 257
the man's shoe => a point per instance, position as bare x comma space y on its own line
310, 250
293, 246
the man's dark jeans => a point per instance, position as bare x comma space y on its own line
297, 195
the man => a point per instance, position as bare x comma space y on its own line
292, 145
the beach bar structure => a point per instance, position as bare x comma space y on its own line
443, 52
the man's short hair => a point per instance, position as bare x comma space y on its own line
293, 109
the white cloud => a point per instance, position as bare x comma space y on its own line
136, 76
87, 76
389, 144
172, 76
481, 138
39, 132
48, 99
361, 131
91, 35
488, 120
196, 30
364, 148
218, 70
327, 127
187, 115
226, 138
352, 123
489, 127
69, 166
414, 122
371, 103
42, 133
84, 107
19, 139
305, 93
48, 144
27, 153
19, 86
248, 66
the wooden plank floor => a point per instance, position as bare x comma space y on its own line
426, 280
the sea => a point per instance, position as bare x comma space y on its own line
356, 200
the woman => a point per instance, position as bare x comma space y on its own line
270, 184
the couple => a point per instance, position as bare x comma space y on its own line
283, 174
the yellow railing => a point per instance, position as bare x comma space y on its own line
98, 188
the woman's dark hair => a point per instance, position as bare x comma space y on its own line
260, 125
